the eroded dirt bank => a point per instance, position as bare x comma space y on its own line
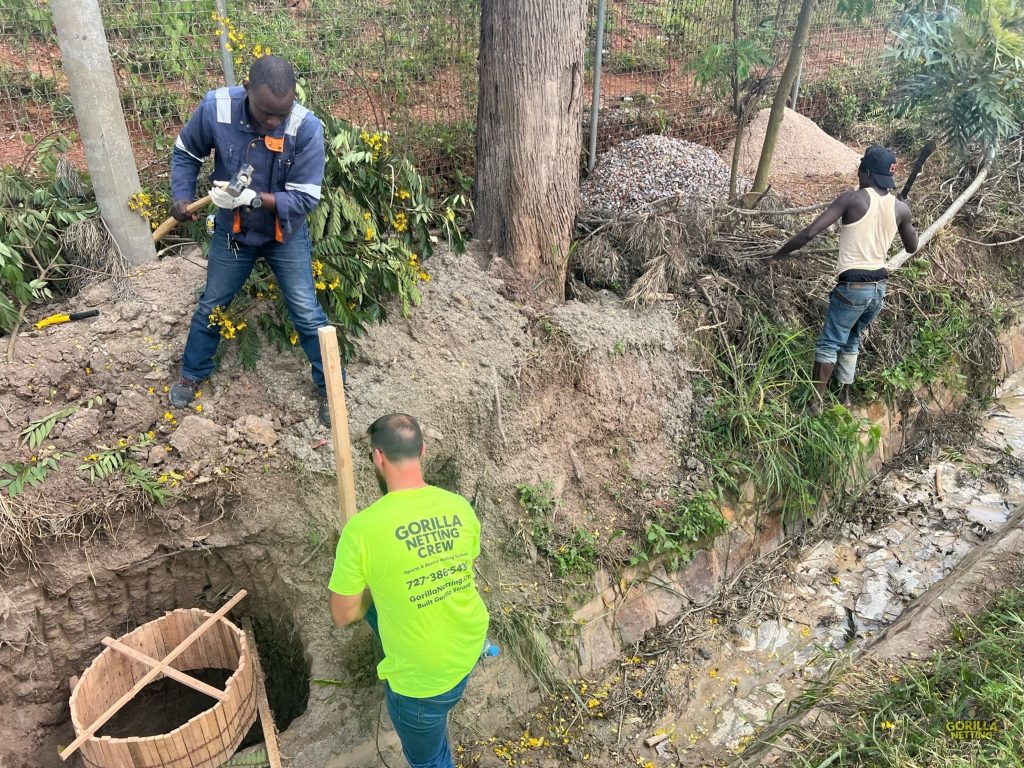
505, 394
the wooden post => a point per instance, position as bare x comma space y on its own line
339, 421
150, 676
262, 704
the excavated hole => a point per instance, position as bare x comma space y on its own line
167, 704
146, 591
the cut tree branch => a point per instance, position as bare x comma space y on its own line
900, 259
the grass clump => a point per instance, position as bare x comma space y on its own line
572, 554
677, 527
757, 427
961, 707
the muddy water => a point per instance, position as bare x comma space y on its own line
837, 594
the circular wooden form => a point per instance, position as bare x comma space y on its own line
208, 739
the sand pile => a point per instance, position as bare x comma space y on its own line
803, 151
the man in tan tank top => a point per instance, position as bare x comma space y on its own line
871, 217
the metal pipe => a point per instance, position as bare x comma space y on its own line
795, 93
595, 99
227, 61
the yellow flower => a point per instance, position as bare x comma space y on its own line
199, 408
294, 338
366, 216
88, 369
166, 388
888, 726
449, 214
320, 285
318, 267
151, 390
334, 283
403, 194
592, 703
150, 435
424, 276
368, 234
713, 673
168, 416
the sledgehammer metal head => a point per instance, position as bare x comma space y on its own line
241, 181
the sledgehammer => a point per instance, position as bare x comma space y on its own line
242, 179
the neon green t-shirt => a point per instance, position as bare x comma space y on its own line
415, 549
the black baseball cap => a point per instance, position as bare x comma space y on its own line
881, 164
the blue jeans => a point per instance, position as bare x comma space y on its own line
851, 307
226, 272
421, 724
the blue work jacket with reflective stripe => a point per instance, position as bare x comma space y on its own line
288, 162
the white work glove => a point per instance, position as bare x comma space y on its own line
223, 199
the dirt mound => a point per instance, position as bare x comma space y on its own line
640, 171
807, 161
506, 395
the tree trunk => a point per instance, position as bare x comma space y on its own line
528, 135
900, 258
796, 53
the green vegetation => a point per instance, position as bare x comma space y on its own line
920, 714
573, 554
370, 234
648, 56
845, 100
757, 428
35, 433
124, 458
677, 526
967, 73
941, 337
37, 204
16, 475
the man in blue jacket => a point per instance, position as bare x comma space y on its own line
260, 124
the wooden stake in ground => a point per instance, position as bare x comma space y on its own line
339, 421
150, 676
262, 704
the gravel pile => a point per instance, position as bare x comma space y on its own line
642, 170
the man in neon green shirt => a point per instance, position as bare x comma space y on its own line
405, 563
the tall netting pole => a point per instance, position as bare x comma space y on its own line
108, 150
226, 59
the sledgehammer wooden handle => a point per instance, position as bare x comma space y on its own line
328, 338
160, 232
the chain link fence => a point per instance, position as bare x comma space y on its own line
409, 67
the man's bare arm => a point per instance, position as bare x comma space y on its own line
830, 216
348, 609
905, 226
